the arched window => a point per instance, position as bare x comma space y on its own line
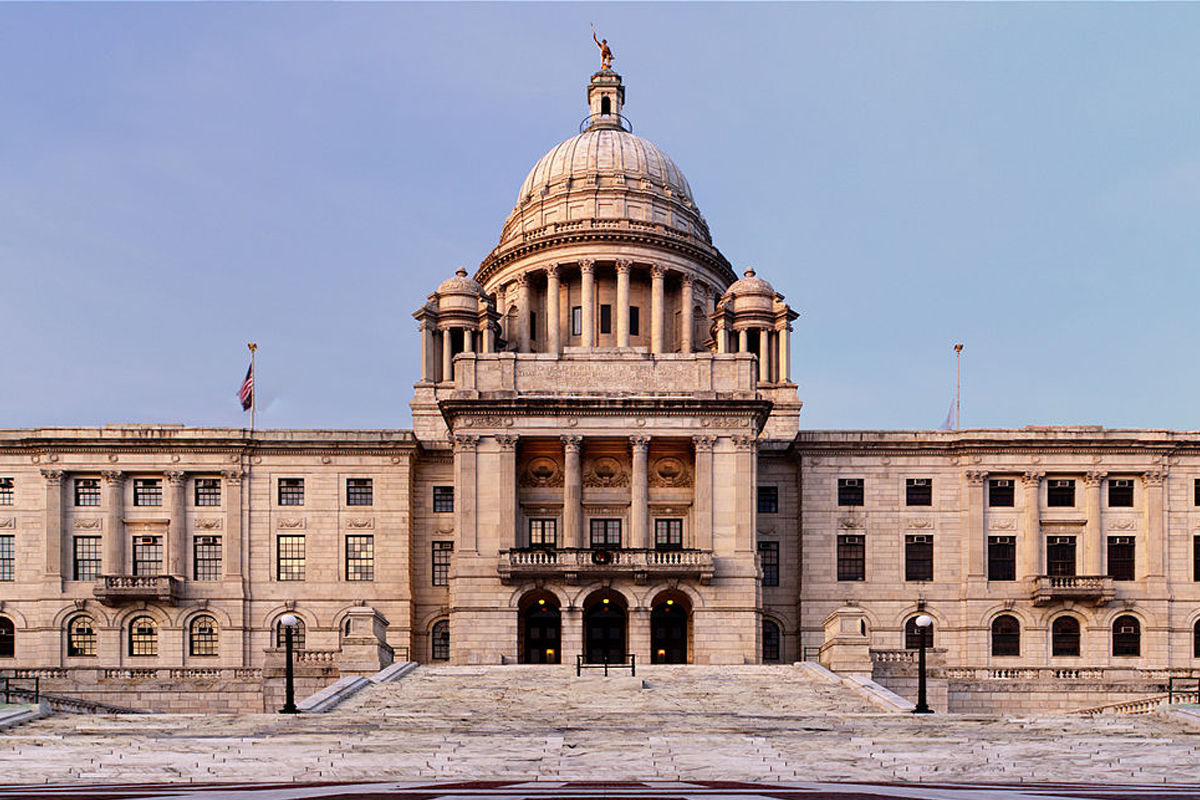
143, 637
1064, 637
770, 642
912, 635
1006, 636
81, 637
441, 640
8, 638
605, 106
202, 636
1126, 636
297, 635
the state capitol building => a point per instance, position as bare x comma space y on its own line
606, 459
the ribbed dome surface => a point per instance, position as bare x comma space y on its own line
751, 284
608, 153
460, 284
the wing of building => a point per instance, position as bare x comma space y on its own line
605, 461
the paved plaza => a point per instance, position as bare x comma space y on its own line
774, 725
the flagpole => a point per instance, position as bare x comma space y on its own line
958, 348
254, 387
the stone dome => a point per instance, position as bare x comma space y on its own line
461, 283
750, 295
606, 152
751, 284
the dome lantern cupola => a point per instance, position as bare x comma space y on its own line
606, 98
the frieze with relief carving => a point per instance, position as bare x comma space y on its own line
605, 471
542, 472
669, 472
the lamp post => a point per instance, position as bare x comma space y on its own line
924, 622
289, 623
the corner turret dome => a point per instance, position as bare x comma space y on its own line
460, 284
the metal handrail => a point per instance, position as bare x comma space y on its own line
580, 666
9, 688
1183, 682
612, 121
811, 653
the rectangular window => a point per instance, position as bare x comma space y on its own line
208, 492
1120, 558
147, 555
768, 556
1060, 556
576, 320
359, 492
543, 533
1196, 492
6, 491
851, 557
147, 491
87, 491
606, 533
768, 499
7, 558
360, 558
1000, 493
206, 558
605, 318
918, 558
918, 491
441, 562
443, 499
1060, 493
668, 534
1196, 558
1120, 493
850, 491
634, 321
291, 491
289, 555
87, 558
533, 325
1002, 558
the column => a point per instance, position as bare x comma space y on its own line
764, 355
508, 491
743, 341
586, 271
486, 337
976, 530
623, 267
702, 499
639, 492
54, 527
468, 340
1093, 532
176, 544
447, 356
785, 353
113, 562
722, 338
656, 308
231, 549
426, 349
572, 492
747, 496
465, 478
1029, 551
686, 323
553, 323
1152, 480
523, 312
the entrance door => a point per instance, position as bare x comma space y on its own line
543, 636
604, 633
668, 634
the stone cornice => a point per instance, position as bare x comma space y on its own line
719, 409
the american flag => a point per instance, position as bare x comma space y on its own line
246, 393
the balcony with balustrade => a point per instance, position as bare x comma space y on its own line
1095, 589
582, 564
113, 590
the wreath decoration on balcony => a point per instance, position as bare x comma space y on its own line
602, 557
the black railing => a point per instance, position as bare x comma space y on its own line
609, 121
811, 653
11, 688
1177, 685
629, 663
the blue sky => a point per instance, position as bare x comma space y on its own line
179, 179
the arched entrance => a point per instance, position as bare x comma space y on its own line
604, 627
670, 616
540, 629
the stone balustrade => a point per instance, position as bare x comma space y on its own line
577, 563
113, 590
1096, 589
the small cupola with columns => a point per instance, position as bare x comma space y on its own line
606, 98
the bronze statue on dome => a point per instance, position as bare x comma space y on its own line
606, 55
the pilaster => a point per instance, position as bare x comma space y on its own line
702, 500
54, 526
508, 490
113, 561
231, 550
1152, 480
976, 531
465, 476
